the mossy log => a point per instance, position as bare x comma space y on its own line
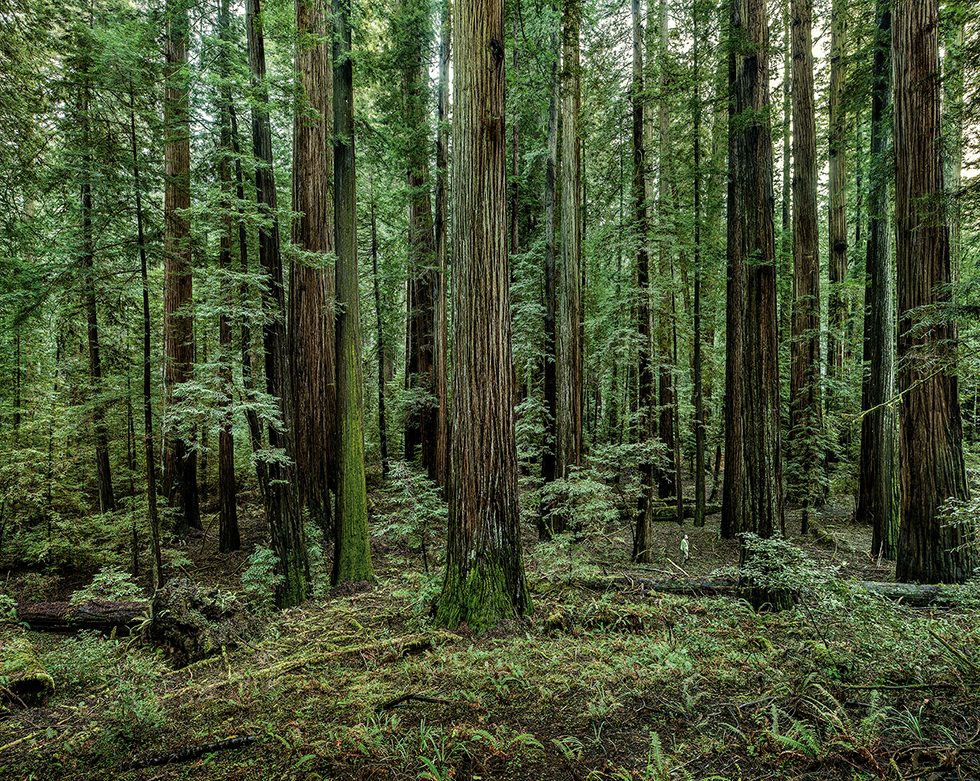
911, 594
23, 679
103, 616
669, 512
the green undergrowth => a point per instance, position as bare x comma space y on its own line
595, 685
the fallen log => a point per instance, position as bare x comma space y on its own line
23, 679
911, 594
189, 753
103, 616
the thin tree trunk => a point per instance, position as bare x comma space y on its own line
837, 197
310, 317
352, 553
180, 457
646, 420
930, 548
441, 349
752, 494
568, 343
699, 420
375, 276
878, 492
413, 31
283, 510
667, 484
549, 459
107, 500
248, 374
228, 535
786, 235
149, 450
484, 578
806, 417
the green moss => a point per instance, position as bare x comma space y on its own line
23, 677
480, 598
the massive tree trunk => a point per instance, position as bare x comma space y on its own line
352, 552
107, 500
228, 535
282, 506
667, 483
930, 548
180, 458
311, 279
149, 450
805, 417
413, 32
549, 458
753, 500
484, 578
646, 421
785, 277
878, 492
568, 338
837, 197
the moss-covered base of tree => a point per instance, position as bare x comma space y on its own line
23, 679
479, 597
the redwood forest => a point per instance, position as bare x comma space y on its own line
574, 390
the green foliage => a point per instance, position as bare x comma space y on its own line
110, 584
8, 609
261, 578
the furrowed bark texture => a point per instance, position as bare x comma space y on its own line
806, 418
879, 500
484, 572
310, 324
930, 549
752, 500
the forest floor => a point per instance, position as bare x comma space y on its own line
598, 683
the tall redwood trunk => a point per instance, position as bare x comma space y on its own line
837, 197
380, 336
180, 458
698, 357
752, 500
149, 451
878, 492
484, 578
352, 551
646, 420
228, 535
107, 500
930, 549
568, 339
310, 325
805, 417
441, 350
282, 506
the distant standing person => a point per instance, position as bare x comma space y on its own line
685, 550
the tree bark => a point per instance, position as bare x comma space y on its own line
549, 457
310, 316
837, 197
413, 33
380, 334
697, 358
930, 549
752, 494
484, 578
149, 449
282, 499
806, 416
441, 350
107, 501
568, 342
646, 421
180, 457
228, 534
352, 553
878, 491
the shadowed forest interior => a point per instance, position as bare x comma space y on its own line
519, 389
